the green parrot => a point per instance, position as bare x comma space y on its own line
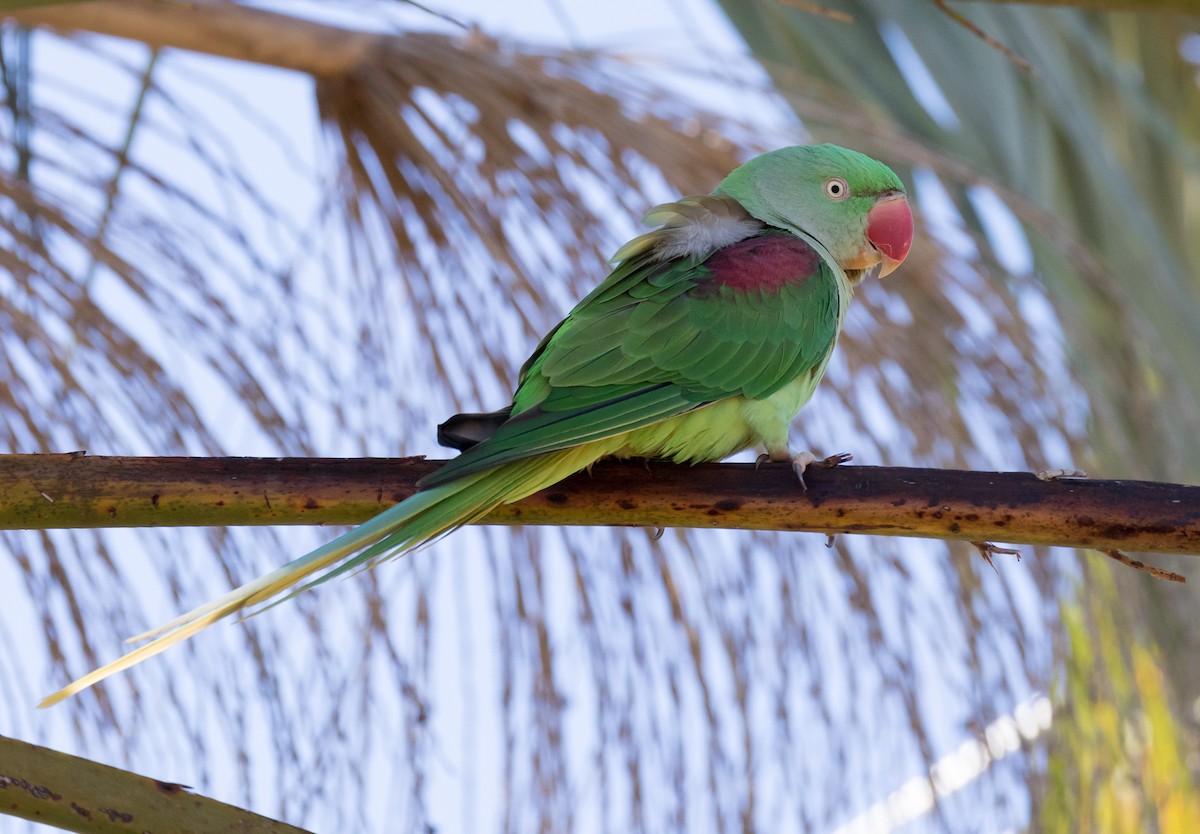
706, 339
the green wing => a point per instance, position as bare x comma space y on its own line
654, 341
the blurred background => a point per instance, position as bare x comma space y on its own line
319, 228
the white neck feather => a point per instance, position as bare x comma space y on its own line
699, 237
692, 227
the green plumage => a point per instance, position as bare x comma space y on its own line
706, 339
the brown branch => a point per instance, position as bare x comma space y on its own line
1157, 573
1148, 6
63, 491
966, 23
225, 29
821, 11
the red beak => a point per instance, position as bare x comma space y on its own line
890, 229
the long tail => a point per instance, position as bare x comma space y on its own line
395, 531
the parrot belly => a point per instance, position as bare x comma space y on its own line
723, 428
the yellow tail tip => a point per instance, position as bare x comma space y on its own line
132, 658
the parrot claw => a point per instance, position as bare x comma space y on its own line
836, 460
987, 550
801, 462
804, 460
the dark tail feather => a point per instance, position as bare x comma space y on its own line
462, 431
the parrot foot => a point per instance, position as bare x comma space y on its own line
1059, 474
804, 460
987, 550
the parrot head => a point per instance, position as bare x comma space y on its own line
851, 204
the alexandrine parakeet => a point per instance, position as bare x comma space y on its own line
706, 339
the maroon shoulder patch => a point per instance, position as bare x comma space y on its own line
766, 262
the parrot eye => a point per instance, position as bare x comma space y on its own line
837, 189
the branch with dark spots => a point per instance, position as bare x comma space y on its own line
75, 794
70, 491
1158, 573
